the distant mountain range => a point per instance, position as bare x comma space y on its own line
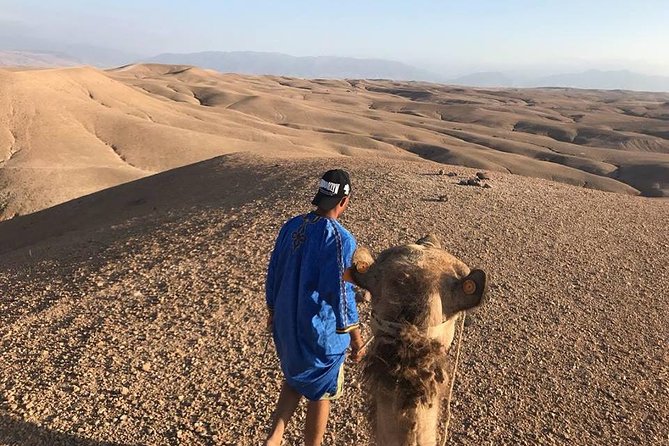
484, 79
593, 79
35, 59
54, 56
250, 62
31, 48
607, 80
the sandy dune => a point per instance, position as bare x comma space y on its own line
65, 133
137, 318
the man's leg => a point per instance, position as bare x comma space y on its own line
285, 407
317, 420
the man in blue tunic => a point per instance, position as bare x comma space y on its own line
313, 316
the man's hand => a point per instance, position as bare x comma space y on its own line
348, 275
358, 353
357, 345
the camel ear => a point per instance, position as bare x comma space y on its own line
462, 294
429, 240
362, 261
472, 288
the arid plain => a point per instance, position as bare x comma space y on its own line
133, 315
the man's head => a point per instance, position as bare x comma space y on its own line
334, 192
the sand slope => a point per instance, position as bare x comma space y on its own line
138, 320
68, 132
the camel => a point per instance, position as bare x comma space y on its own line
417, 293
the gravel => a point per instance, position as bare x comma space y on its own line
147, 328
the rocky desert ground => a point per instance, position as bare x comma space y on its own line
67, 132
134, 316
139, 206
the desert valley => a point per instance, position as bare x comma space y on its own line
72, 131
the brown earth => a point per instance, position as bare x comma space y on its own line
135, 315
68, 132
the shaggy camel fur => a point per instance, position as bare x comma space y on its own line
418, 291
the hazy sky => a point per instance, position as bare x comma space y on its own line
460, 35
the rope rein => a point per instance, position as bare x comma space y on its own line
450, 390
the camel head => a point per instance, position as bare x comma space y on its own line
419, 283
417, 291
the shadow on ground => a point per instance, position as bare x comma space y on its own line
221, 182
18, 432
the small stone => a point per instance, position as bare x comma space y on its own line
125, 390
487, 186
452, 174
442, 171
146, 366
482, 175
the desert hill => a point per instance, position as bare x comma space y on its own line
134, 315
65, 133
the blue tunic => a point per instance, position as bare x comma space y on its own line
314, 308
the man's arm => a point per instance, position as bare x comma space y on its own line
333, 288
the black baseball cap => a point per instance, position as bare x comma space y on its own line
334, 185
